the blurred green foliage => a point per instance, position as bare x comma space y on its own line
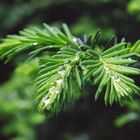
85, 23
134, 7
18, 114
132, 114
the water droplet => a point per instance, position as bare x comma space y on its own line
59, 81
35, 43
53, 89
116, 77
127, 89
47, 102
74, 39
62, 72
61, 67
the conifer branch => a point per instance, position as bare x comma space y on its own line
67, 62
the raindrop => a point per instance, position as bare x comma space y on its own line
59, 81
53, 89
61, 67
62, 72
35, 43
74, 39
44, 98
116, 77
127, 89
47, 102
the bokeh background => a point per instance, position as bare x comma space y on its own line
86, 119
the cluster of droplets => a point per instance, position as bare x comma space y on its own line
54, 89
35, 44
116, 77
46, 101
61, 73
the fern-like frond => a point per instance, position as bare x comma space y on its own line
111, 70
35, 40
